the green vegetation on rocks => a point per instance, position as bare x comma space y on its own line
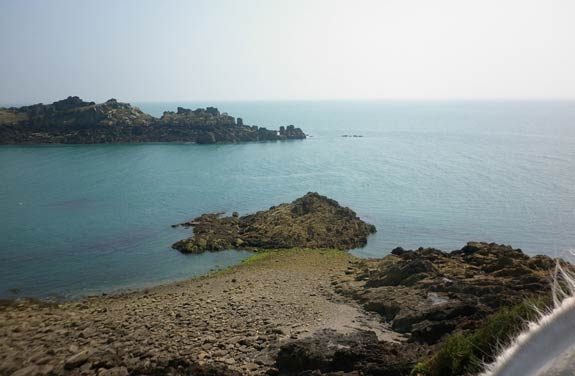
467, 353
311, 221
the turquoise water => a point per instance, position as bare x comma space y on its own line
85, 219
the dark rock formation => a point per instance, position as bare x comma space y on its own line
312, 221
328, 352
428, 293
73, 121
183, 367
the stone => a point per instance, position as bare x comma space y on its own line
329, 351
229, 361
116, 371
77, 359
32, 370
251, 366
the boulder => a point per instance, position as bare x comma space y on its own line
328, 352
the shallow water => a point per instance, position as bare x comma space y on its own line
83, 219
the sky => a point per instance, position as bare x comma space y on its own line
144, 50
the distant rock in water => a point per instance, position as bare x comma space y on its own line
352, 135
73, 121
311, 221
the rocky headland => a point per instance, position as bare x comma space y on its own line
74, 121
311, 221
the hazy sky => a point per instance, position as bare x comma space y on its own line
294, 49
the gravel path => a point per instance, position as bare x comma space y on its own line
235, 318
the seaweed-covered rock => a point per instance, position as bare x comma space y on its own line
311, 221
74, 121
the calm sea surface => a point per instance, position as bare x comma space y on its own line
85, 219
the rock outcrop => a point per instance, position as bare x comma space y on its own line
428, 293
357, 353
73, 121
311, 221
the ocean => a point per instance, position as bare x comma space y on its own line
77, 220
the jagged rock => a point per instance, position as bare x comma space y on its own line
428, 293
311, 221
328, 351
74, 121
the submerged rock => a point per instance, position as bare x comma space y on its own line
74, 121
311, 221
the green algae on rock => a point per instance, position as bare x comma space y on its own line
74, 121
311, 221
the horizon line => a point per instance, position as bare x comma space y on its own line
432, 100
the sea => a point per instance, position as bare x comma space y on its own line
79, 220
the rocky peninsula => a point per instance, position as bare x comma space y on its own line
74, 121
311, 221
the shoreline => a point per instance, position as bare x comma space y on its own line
266, 300
286, 312
135, 143
114, 291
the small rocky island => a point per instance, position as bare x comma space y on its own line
311, 221
74, 121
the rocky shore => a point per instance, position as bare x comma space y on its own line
428, 293
311, 221
290, 312
74, 121
231, 322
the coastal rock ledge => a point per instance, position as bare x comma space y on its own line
74, 121
311, 221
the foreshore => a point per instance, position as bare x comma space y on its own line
291, 312
234, 320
